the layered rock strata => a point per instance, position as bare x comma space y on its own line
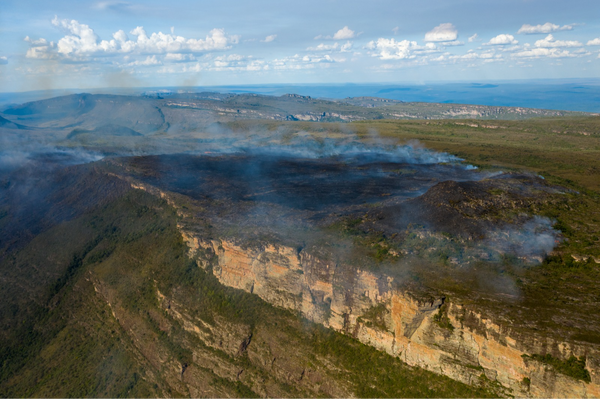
465, 346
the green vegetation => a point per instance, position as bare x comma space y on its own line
442, 319
376, 317
573, 367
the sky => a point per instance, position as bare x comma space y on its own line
62, 44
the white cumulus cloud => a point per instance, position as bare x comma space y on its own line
472, 55
149, 61
344, 34
344, 48
390, 49
3, 60
36, 43
235, 61
80, 38
545, 28
317, 58
549, 41
501, 40
442, 33
161, 42
594, 42
81, 41
473, 38
179, 57
40, 49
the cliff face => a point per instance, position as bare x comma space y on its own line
444, 337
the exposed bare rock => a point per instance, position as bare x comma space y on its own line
473, 346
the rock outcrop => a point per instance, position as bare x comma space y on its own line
438, 335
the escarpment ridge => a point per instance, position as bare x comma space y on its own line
386, 306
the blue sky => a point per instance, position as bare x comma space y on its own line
91, 44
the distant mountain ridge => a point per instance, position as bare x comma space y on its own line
556, 94
173, 112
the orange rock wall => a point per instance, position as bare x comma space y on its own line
338, 298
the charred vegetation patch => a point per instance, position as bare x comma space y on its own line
298, 183
445, 212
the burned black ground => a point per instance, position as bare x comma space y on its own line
298, 183
383, 197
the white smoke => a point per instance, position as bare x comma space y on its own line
531, 242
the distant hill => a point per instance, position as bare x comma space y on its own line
57, 107
5, 123
87, 111
557, 94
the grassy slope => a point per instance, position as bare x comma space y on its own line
76, 347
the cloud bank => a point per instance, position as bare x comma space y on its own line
541, 29
80, 51
81, 41
549, 41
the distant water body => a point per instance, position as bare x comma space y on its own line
569, 95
